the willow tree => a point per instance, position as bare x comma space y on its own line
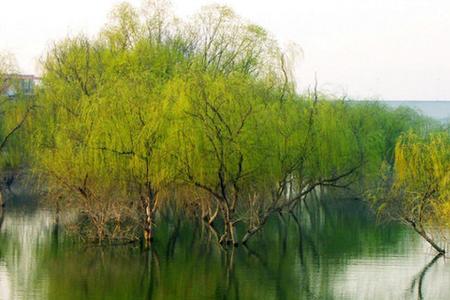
220, 104
134, 117
106, 104
417, 190
318, 142
204, 111
246, 138
73, 173
218, 143
311, 146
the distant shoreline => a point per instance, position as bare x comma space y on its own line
437, 109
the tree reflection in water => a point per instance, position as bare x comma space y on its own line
419, 278
298, 256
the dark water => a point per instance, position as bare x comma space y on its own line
337, 251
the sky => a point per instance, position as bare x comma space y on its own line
361, 49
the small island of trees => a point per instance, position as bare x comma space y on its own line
157, 118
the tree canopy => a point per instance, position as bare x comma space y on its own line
157, 116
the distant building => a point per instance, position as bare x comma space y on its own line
18, 84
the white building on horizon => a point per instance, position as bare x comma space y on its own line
14, 84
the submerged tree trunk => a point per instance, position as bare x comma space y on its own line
232, 231
429, 240
419, 229
150, 205
229, 235
2, 203
252, 231
148, 222
213, 217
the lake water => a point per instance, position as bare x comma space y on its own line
436, 109
337, 251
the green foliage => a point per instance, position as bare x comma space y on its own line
416, 189
419, 185
198, 116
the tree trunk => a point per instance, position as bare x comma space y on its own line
419, 229
229, 231
2, 203
250, 233
232, 231
226, 236
214, 216
148, 223
229, 227
429, 240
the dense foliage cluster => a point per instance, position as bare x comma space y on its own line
416, 188
157, 117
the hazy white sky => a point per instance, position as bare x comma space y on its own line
388, 49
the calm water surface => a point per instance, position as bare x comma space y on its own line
439, 110
337, 251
